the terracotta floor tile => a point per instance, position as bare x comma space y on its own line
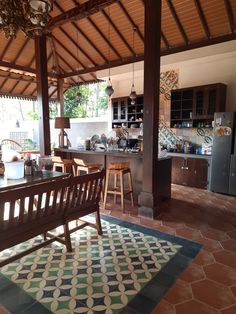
213, 294
188, 233
231, 310
204, 258
221, 273
193, 273
229, 245
232, 234
209, 244
180, 292
214, 234
164, 307
234, 290
226, 258
194, 307
166, 229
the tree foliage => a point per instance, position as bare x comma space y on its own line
93, 101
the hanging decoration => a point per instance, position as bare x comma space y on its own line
109, 89
133, 94
30, 16
78, 95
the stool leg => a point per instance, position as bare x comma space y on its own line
106, 188
115, 186
131, 188
122, 190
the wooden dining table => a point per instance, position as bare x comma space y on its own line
39, 177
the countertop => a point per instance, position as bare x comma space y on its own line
208, 157
106, 153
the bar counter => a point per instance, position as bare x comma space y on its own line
136, 166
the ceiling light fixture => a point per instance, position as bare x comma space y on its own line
133, 94
30, 16
78, 94
109, 89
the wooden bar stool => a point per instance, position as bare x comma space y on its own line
80, 165
119, 169
64, 164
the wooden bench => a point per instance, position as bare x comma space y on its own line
27, 212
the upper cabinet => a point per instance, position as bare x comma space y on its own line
124, 113
195, 106
119, 111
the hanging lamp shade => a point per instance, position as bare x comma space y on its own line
109, 89
62, 123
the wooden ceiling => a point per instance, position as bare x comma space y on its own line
87, 36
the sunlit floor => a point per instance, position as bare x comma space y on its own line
209, 283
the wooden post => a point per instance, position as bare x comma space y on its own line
148, 197
42, 95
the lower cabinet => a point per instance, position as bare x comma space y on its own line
189, 171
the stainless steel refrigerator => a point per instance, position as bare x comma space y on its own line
223, 165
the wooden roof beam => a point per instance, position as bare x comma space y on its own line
104, 66
130, 20
115, 63
79, 12
202, 18
104, 37
18, 67
123, 39
78, 29
6, 48
230, 15
68, 51
177, 20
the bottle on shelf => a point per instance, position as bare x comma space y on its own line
28, 165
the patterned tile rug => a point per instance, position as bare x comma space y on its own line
127, 270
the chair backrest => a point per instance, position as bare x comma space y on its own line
84, 194
11, 144
79, 162
57, 159
29, 211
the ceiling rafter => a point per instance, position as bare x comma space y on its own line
81, 11
130, 20
104, 37
12, 89
123, 39
165, 40
202, 18
70, 53
177, 20
105, 66
84, 35
6, 48
16, 57
163, 37
230, 15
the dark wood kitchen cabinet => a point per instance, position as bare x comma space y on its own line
190, 171
119, 111
195, 106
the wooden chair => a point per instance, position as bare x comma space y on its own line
64, 164
80, 165
119, 169
11, 144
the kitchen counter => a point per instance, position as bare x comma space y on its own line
136, 165
208, 157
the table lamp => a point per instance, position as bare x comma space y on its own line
62, 123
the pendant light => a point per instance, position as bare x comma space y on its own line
133, 94
109, 89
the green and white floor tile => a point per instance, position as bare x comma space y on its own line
104, 274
